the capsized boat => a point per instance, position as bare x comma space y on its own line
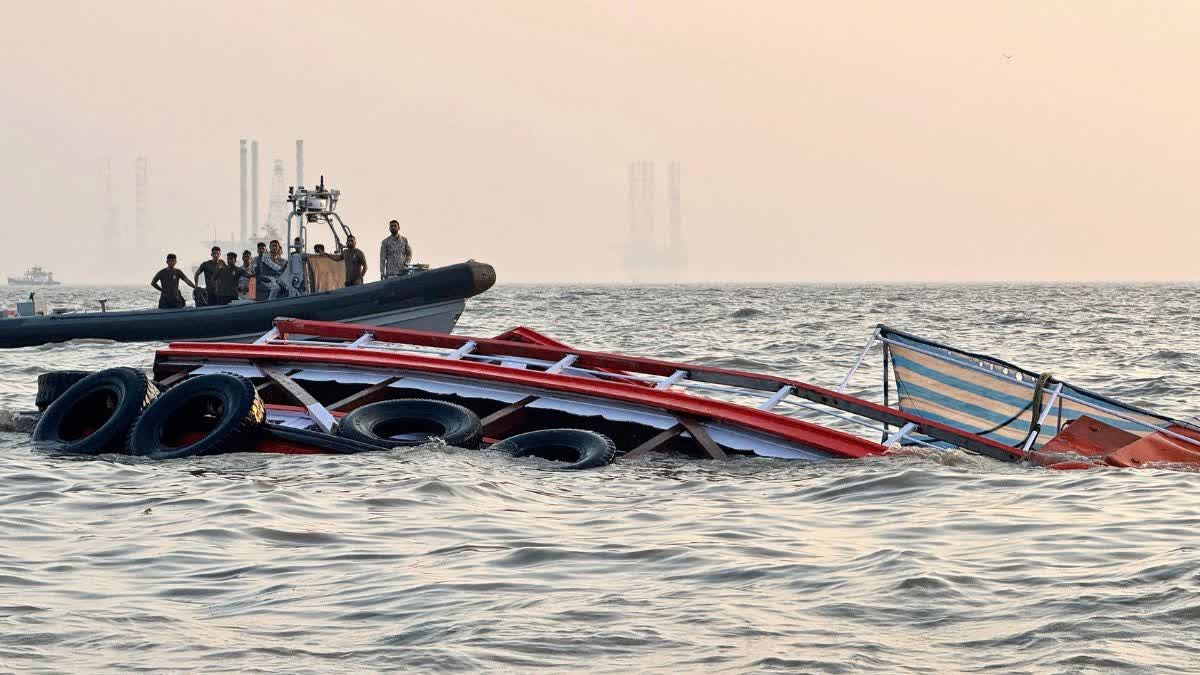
318, 377
1039, 417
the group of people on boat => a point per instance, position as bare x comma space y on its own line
226, 281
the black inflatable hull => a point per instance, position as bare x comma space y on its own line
391, 298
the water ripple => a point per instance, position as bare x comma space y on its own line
441, 559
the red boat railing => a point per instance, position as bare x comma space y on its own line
566, 362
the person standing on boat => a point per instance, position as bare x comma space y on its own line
226, 280
394, 253
356, 262
166, 282
268, 272
210, 268
298, 249
247, 271
262, 285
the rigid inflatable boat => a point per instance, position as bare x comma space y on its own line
429, 300
310, 286
311, 386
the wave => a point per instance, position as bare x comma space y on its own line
18, 421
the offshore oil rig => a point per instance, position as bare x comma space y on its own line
647, 257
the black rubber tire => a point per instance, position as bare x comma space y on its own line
377, 423
581, 449
318, 439
56, 383
225, 408
107, 402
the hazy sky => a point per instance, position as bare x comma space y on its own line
820, 141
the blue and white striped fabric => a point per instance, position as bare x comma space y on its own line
979, 395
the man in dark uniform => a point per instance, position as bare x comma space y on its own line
166, 282
356, 262
262, 285
210, 268
227, 281
247, 270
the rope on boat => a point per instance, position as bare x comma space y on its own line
1034, 406
1035, 414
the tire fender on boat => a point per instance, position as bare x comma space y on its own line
580, 448
410, 422
54, 384
95, 413
205, 415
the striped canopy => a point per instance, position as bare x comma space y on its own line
992, 398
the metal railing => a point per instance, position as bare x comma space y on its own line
763, 392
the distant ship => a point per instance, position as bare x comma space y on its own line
34, 276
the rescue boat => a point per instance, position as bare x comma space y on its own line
310, 286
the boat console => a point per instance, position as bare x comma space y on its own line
310, 206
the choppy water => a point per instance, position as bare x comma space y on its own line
445, 559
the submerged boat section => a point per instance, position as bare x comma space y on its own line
316, 386
523, 381
1050, 421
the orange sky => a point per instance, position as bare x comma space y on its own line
820, 141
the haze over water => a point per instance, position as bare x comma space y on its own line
931, 140
446, 559
836, 144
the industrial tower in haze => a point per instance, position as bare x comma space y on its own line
141, 205
111, 231
254, 185
253, 227
277, 207
121, 243
244, 230
646, 257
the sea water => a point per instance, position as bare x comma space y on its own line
442, 559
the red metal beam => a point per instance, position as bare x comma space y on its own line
605, 361
805, 433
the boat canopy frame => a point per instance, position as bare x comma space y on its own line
1059, 391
